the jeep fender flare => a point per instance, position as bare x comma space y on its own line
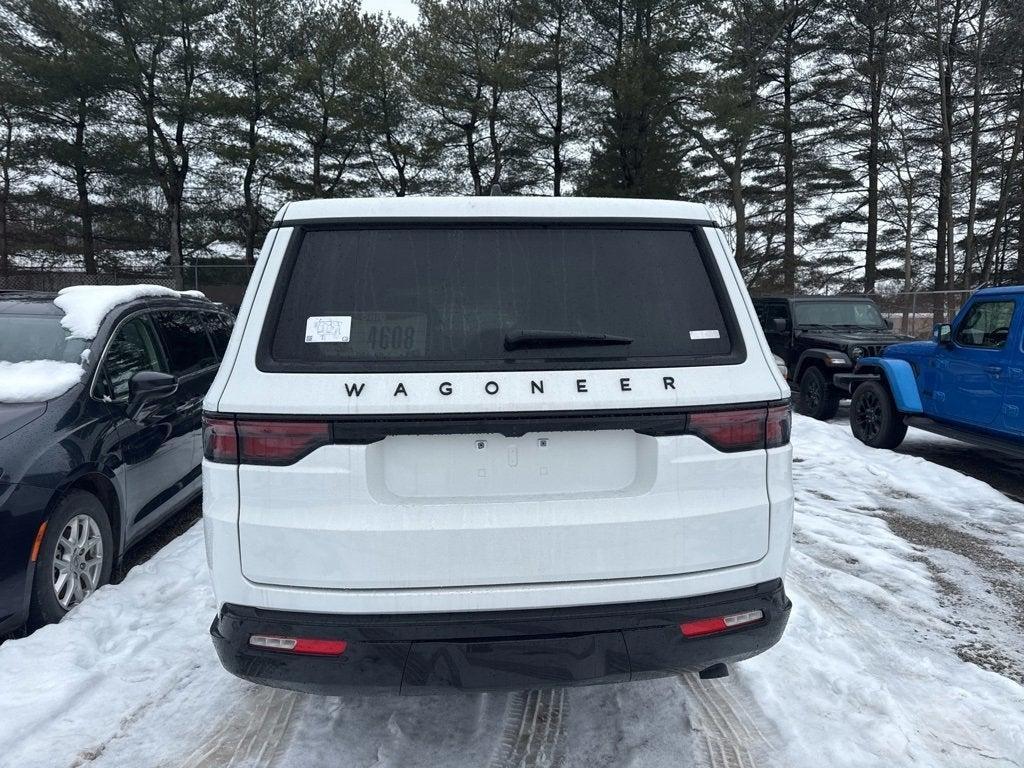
898, 376
822, 356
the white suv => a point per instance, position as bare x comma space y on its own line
495, 443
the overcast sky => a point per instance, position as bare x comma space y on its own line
403, 8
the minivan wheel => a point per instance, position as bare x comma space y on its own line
874, 418
75, 557
818, 398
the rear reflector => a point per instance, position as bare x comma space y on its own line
719, 623
304, 645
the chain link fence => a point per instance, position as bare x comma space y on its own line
224, 283
914, 313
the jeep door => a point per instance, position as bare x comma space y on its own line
972, 370
1013, 408
779, 340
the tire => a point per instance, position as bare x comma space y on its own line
80, 529
874, 418
818, 398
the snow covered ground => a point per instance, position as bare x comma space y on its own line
905, 647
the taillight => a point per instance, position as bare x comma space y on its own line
279, 442
220, 440
262, 442
779, 426
746, 429
730, 431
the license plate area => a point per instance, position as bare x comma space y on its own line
496, 466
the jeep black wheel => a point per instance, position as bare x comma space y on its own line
818, 398
874, 418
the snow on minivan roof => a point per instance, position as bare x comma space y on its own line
84, 309
86, 306
496, 207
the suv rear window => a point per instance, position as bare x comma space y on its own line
447, 298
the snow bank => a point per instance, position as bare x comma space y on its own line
33, 381
85, 306
870, 671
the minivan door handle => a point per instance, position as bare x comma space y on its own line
995, 370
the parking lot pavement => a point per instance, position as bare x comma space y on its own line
905, 647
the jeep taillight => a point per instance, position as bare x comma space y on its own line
254, 441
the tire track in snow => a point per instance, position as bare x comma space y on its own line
173, 679
534, 731
251, 737
735, 734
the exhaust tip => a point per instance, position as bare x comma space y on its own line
714, 672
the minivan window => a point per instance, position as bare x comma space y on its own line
459, 295
186, 342
132, 349
219, 327
37, 337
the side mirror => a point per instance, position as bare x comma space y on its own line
942, 333
146, 389
779, 325
888, 323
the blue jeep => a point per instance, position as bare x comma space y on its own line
966, 383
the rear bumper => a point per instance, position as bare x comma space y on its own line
499, 650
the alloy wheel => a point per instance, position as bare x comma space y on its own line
77, 561
814, 394
869, 414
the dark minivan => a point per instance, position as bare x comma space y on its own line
84, 474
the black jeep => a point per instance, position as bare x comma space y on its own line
818, 337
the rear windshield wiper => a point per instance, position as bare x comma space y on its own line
539, 339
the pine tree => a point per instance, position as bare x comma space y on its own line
396, 133
554, 45
320, 119
470, 74
727, 116
636, 57
9, 166
163, 53
63, 72
248, 62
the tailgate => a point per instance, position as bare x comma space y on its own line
487, 508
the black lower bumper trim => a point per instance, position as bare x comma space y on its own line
499, 650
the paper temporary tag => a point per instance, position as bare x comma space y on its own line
698, 335
333, 329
